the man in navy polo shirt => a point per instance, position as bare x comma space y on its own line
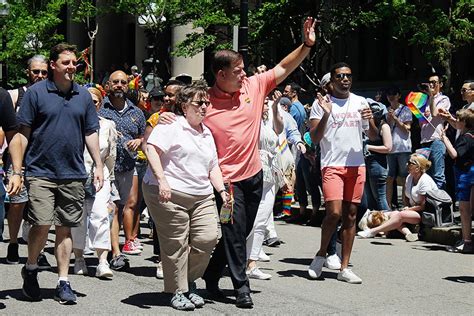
57, 118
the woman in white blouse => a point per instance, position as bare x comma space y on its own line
416, 185
96, 225
178, 190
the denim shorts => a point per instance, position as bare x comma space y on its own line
464, 182
21, 197
397, 164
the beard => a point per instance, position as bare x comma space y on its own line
118, 94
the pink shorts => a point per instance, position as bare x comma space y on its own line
343, 183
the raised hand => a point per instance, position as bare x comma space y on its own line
324, 103
309, 31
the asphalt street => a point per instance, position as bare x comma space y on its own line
398, 278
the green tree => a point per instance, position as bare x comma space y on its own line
29, 28
438, 31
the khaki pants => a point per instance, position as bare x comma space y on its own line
188, 231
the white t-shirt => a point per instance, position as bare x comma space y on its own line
341, 145
428, 133
401, 142
414, 192
188, 157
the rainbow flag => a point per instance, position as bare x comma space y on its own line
134, 83
287, 197
416, 102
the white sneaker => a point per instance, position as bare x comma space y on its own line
316, 267
263, 257
256, 273
411, 237
333, 262
103, 271
80, 267
366, 234
159, 270
348, 276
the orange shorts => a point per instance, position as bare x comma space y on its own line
343, 183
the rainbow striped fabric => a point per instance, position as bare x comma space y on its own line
416, 102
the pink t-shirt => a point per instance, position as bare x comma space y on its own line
234, 120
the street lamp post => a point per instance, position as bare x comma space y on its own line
243, 30
3, 13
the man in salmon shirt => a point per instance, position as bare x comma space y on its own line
234, 118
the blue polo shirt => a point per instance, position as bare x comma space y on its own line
59, 123
130, 124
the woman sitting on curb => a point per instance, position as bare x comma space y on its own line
416, 186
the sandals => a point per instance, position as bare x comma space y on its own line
181, 302
197, 300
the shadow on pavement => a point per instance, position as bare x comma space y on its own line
430, 248
18, 295
142, 271
381, 243
147, 300
302, 261
460, 279
304, 274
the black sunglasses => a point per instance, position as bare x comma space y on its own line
38, 71
342, 75
201, 103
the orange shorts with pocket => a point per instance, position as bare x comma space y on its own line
343, 183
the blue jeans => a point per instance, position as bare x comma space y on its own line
376, 185
438, 151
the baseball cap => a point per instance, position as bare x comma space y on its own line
184, 78
285, 101
156, 93
325, 79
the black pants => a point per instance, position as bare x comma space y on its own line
231, 249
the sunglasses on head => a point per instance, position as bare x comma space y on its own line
38, 71
412, 162
116, 81
201, 103
342, 75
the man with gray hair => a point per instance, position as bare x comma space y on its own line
37, 70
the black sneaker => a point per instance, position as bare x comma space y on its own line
64, 294
273, 242
119, 262
30, 287
12, 254
43, 263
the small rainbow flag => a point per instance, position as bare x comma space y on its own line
134, 83
416, 102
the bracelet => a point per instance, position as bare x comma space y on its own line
220, 191
309, 46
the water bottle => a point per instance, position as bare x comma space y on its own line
365, 123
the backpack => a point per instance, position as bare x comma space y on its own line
438, 209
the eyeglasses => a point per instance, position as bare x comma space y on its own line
464, 90
116, 81
38, 71
342, 75
201, 103
433, 82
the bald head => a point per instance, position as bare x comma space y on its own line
118, 84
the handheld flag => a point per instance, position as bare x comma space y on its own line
416, 102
